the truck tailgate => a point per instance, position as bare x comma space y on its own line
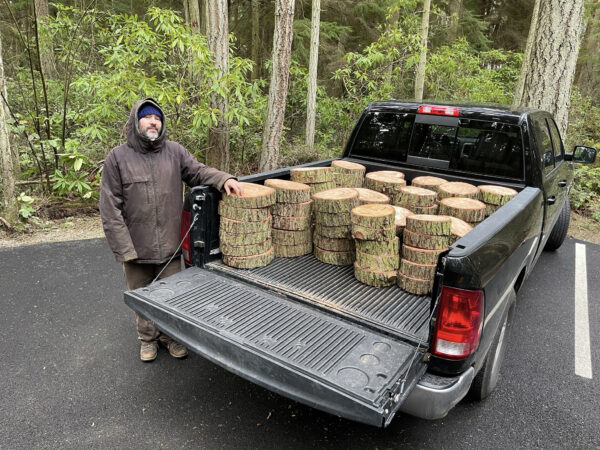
298, 350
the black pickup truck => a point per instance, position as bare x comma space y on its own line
312, 332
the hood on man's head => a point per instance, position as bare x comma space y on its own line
134, 138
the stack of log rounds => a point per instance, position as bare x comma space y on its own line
428, 182
333, 243
416, 199
245, 227
459, 228
370, 196
385, 181
400, 219
292, 212
317, 178
377, 247
494, 197
348, 174
467, 209
425, 237
458, 189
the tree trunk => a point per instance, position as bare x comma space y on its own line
454, 9
550, 59
194, 17
589, 63
311, 108
45, 45
217, 27
420, 76
282, 47
256, 40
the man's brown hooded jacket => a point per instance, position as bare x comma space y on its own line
141, 193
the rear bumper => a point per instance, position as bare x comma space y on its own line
434, 396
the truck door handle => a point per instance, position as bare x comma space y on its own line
551, 200
562, 183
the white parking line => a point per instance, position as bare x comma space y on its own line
583, 357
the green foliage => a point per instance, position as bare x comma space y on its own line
25, 205
584, 117
585, 193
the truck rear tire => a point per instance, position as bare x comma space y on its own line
559, 232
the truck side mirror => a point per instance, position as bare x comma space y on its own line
582, 154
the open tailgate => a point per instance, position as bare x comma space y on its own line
297, 350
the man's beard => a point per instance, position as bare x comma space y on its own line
151, 137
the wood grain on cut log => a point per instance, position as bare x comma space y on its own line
390, 247
373, 215
348, 180
289, 191
335, 258
373, 234
496, 195
245, 250
429, 224
419, 240
291, 223
291, 237
385, 181
245, 214
240, 226
243, 238
458, 189
320, 187
341, 166
421, 255
414, 285
291, 251
377, 262
311, 174
428, 182
414, 196
370, 196
334, 244
331, 219
421, 209
250, 262
459, 227
335, 200
292, 209
400, 218
417, 270
375, 278
467, 209
341, 232
255, 196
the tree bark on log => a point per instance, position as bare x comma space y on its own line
292, 209
334, 244
335, 258
341, 232
429, 224
332, 220
466, 209
414, 285
385, 181
320, 187
426, 241
377, 262
291, 223
243, 214
496, 195
289, 191
239, 239
374, 216
311, 175
373, 234
238, 226
415, 197
250, 262
390, 247
421, 255
375, 278
245, 250
417, 270
286, 237
292, 251
347, 180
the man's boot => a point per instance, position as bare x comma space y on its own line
148, 351
176, 350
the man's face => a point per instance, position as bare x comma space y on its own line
150, 126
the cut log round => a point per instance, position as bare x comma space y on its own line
348, 180
491, 209
410, 196
289, 191
333, 244
291, 237
390, 247
373, 215
238, 239
414, 285
416, 270
341, 232
250, 262
311, 174
458, 189
421, 255
375, 278
373, 234
335, 200
245, 250
467, 209
331, 219
255, 196
377, 262
428, 182
291, 251
419, 240
292, 209
370, 196
244, 214
459, 227
341, 166
432, 210
335, 258
429, 224
385, 181
400, 218
320, 187
291, 223
496, 195
239, 226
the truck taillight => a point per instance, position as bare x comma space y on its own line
459, 322
186, 220
439, 110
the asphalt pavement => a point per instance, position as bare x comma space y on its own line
71, 377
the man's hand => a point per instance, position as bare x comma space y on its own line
233, 186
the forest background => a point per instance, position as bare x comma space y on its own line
74, 68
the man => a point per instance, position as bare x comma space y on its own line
140, 205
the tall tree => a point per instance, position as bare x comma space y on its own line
550, 58
217, 26
280, 66
588, 65
420, 75
311, 109
454, 9
46, 52
193, 15
255, 42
